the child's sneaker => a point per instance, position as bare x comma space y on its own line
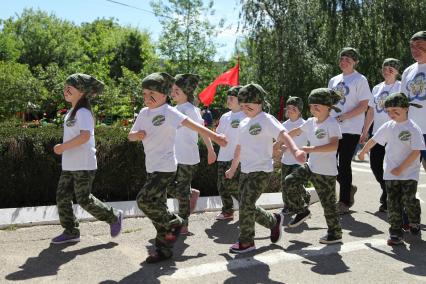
173, 234
65, 238
414, 229
330, 239
225, 216
157, 256
286, 211
352, 195
299, 218
115, 228
394, 240
241, 248
277, 231
195, 193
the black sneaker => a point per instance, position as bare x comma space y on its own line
394, 240
286, 211
414, 229
157, 256
330, 239
299, 218
352, 195
277, 230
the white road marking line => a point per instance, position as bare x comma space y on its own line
272, 258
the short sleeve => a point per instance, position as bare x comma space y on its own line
381, 135
417, 140
85, 119
137, 126
364, 90
334, 130
275, 127
220, 127
306, 126
175, 117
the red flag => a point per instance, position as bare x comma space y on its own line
230, 78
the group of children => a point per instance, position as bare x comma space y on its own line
248, 136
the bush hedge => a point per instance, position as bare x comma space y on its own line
29, 170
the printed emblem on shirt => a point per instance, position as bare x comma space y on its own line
158, 120
417, 87
255, 129
404, 136
235, 123
320, 133
342, 90
380, 101
71, 122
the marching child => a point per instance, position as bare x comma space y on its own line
254, 150
403, 141
156, 127
323, 133
187, 153
79, 161
228, 125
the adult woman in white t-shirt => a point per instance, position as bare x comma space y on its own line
355, 92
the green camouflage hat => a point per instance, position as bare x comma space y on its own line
392, 62
324, 96
295, 101
233, 91
187, 83
399, 100
86, 84
350, 52
161, 82
419, 36
251, 93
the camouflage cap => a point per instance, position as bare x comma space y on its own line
399, 100
187, 83
419, 36
325, 96
161, 82
350, 52
86, 84
251, 93
295, 101
233, 91
392, 62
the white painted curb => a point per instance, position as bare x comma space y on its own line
29, 216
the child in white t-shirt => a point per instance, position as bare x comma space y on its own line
187, 153
79, 161
156, 127
254, 149
404, 141
323, 133
228, 125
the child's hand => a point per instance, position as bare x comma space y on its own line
308, 149
361, 155
300, 156
58, 149
221, 140
396, 171
363, 139
230, 173
140, 135
211, 157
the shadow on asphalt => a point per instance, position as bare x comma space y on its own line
357, 228
223, 232
381, 215
49, 260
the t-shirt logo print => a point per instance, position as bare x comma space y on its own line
380, 101
404, 136
255, 129
342, 90
417, 87
235, 123
320, 133
158, 120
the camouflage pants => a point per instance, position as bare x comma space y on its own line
227, 188
402, 194
326, 189
251, 187
285, 171
82, 182
152, 200
180, 188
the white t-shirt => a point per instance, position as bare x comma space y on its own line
354, 89
413, 84
160, 125
228, 125
400, 139
301, 140
323, 163
255, 136
380, 93
83, 157
187, 152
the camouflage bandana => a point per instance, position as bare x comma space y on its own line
419, 36
350, 52
399, 100
86, 84
251, 93
233, 91
324, 96
392, 62
159, 82
187, 83
295, 101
